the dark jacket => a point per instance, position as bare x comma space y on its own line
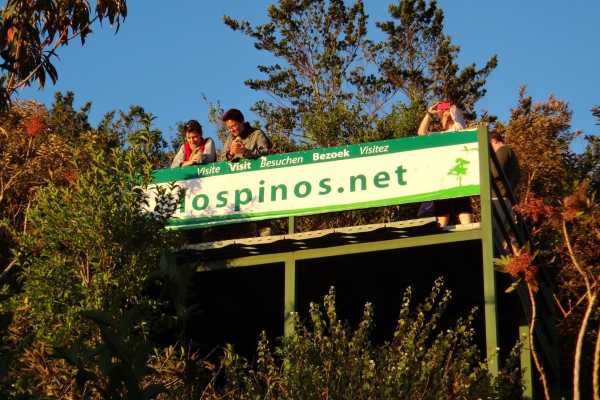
256, 142
510, 165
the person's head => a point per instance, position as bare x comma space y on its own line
496, 139
449, 115
443, 110
496, 136
234, 121
193, 133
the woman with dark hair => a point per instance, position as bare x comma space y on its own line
195, 149
451, 119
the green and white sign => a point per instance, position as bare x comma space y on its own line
339, 178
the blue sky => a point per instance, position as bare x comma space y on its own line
167, 55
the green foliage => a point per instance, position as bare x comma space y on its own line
134, 129
327, 359
420, 60
73, 235
402, 121
32, 31
540, 133
323, 90
117, 365
335, 86
67, 122
90, 247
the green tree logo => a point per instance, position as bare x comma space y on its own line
459, 169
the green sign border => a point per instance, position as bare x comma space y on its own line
314, 156
393, 146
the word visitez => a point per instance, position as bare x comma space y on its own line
375, 149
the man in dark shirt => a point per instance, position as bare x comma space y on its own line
244, 141
507, 160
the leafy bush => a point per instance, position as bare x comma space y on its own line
90, 247
327, 359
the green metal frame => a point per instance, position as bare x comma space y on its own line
487, 254
289, 260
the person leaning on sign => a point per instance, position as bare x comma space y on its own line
244, 141
196, 149
451, 119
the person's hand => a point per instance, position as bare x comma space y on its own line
433, 109
237, 147
196, 157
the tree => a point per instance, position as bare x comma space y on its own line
420, 60
540, 133
559, 200
587, 164
73, 234
334, 85
32, 31
36, 146
134, 128
322, 93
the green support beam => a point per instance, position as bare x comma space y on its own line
526, 370
487, 250
289, 296
342, 250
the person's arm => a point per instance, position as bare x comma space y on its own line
178, 159
426, 121
225, 154
195, 158
424, 125
232, 152
209, 155
261, 145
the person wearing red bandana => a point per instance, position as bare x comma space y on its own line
450, 119
196, 149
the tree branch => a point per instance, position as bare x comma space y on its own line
579, 347
11, 89
596, 369
574, 260
536, 360
8, 268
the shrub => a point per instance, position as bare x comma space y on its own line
326, 359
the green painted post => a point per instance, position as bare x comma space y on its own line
290, 287
526, 370
487, 250
289, 295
